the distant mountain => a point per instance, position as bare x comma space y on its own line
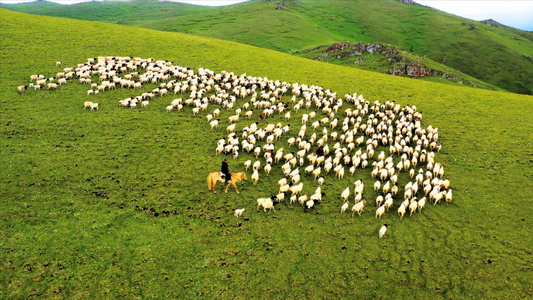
498, 55
527, 34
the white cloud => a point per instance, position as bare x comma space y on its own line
513, 13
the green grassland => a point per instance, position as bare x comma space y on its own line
493, 54
76, 187
122, 12
389, 60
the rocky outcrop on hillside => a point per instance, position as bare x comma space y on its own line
400, 64
380, 57
492, 22
472, 26
360, 49
407, 1
413, 70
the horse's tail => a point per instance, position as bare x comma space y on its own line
209, 181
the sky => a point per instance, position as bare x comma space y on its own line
515, 13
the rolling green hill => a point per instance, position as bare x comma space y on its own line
497, 55
80, 190
389, 59
123, 12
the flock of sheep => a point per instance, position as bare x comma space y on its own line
336, 134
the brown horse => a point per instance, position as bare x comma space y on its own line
213, 178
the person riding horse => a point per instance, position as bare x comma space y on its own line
225, 170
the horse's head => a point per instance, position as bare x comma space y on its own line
244, 176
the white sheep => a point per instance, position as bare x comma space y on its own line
388, 203
266, 203
257, 151
247, 164
344, 207
412, 206
284, 188
293, 199
345, 194
233, 119
255, 177
341, 173
449, 196
358, 207
309, 204
421, 204
380, 211
316, 172
379, 200
309, 169
87, 104
317, 196
22, 88
230, 128
302, 199
280, 197
386, 187
296, 189
401, 211
238, 212
377, 185
359, 187
95, 106
267, 169
382, 231
305, 118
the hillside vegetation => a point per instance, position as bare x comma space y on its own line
80, 189
497, 55
389, 59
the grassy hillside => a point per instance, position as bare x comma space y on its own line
134, 12
74, 186
496, 55
388, 59
527, 34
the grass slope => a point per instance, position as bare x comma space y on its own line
71, 180
388, 59
496, 55
123, 12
